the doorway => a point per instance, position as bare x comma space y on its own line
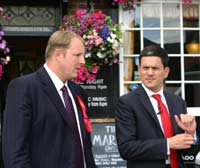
27, 55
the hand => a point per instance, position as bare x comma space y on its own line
186, 122
181, 141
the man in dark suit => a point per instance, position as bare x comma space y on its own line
38, 131
140, 131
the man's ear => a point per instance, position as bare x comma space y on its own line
58, 53
167, 71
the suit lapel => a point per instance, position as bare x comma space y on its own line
148, 106
171, 107
51, 92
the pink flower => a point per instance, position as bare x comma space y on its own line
1, 9
80, 12
1, 71
187, 1
3, 45
91, 77
2, 33
95, 28
84, 74
95, 70
98, 40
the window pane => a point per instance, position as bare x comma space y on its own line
130, 87
172, 41
151, 37
174, 88
151, 15
136, 76
131, 18
137, 16
192, 94
191, 41
190, 15
192, 68
171, 15
175, 68
131, 42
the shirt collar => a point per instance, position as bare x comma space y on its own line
55, 79
151, 93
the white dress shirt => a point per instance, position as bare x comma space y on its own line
155, 107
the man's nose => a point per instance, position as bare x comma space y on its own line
150, 71
82, 60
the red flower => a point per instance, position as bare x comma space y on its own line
87, 122
99, 14
102, 40
187, 1
80, 12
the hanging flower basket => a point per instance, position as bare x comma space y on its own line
102, 40
3, 45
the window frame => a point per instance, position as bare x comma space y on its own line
182, 55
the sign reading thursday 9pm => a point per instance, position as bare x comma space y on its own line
103, 93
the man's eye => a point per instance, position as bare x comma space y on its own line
78, 55
155, 68
145, 68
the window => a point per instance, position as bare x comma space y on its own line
174, 26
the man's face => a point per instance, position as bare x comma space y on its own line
152, 72
71, 60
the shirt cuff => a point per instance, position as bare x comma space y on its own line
168, 150
196, 139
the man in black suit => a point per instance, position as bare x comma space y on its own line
140, 133
38, 131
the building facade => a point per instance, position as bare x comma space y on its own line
170, 23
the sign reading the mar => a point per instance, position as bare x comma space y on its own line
105, 149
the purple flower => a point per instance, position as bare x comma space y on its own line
1, 9
3, 44
1, 32
105, 32
3, 48
94, 28
7, 50
64, 17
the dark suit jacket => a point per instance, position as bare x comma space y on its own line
139, 135
36, 129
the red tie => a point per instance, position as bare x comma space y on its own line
168, 129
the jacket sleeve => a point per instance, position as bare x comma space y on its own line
16, 126
137, 138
